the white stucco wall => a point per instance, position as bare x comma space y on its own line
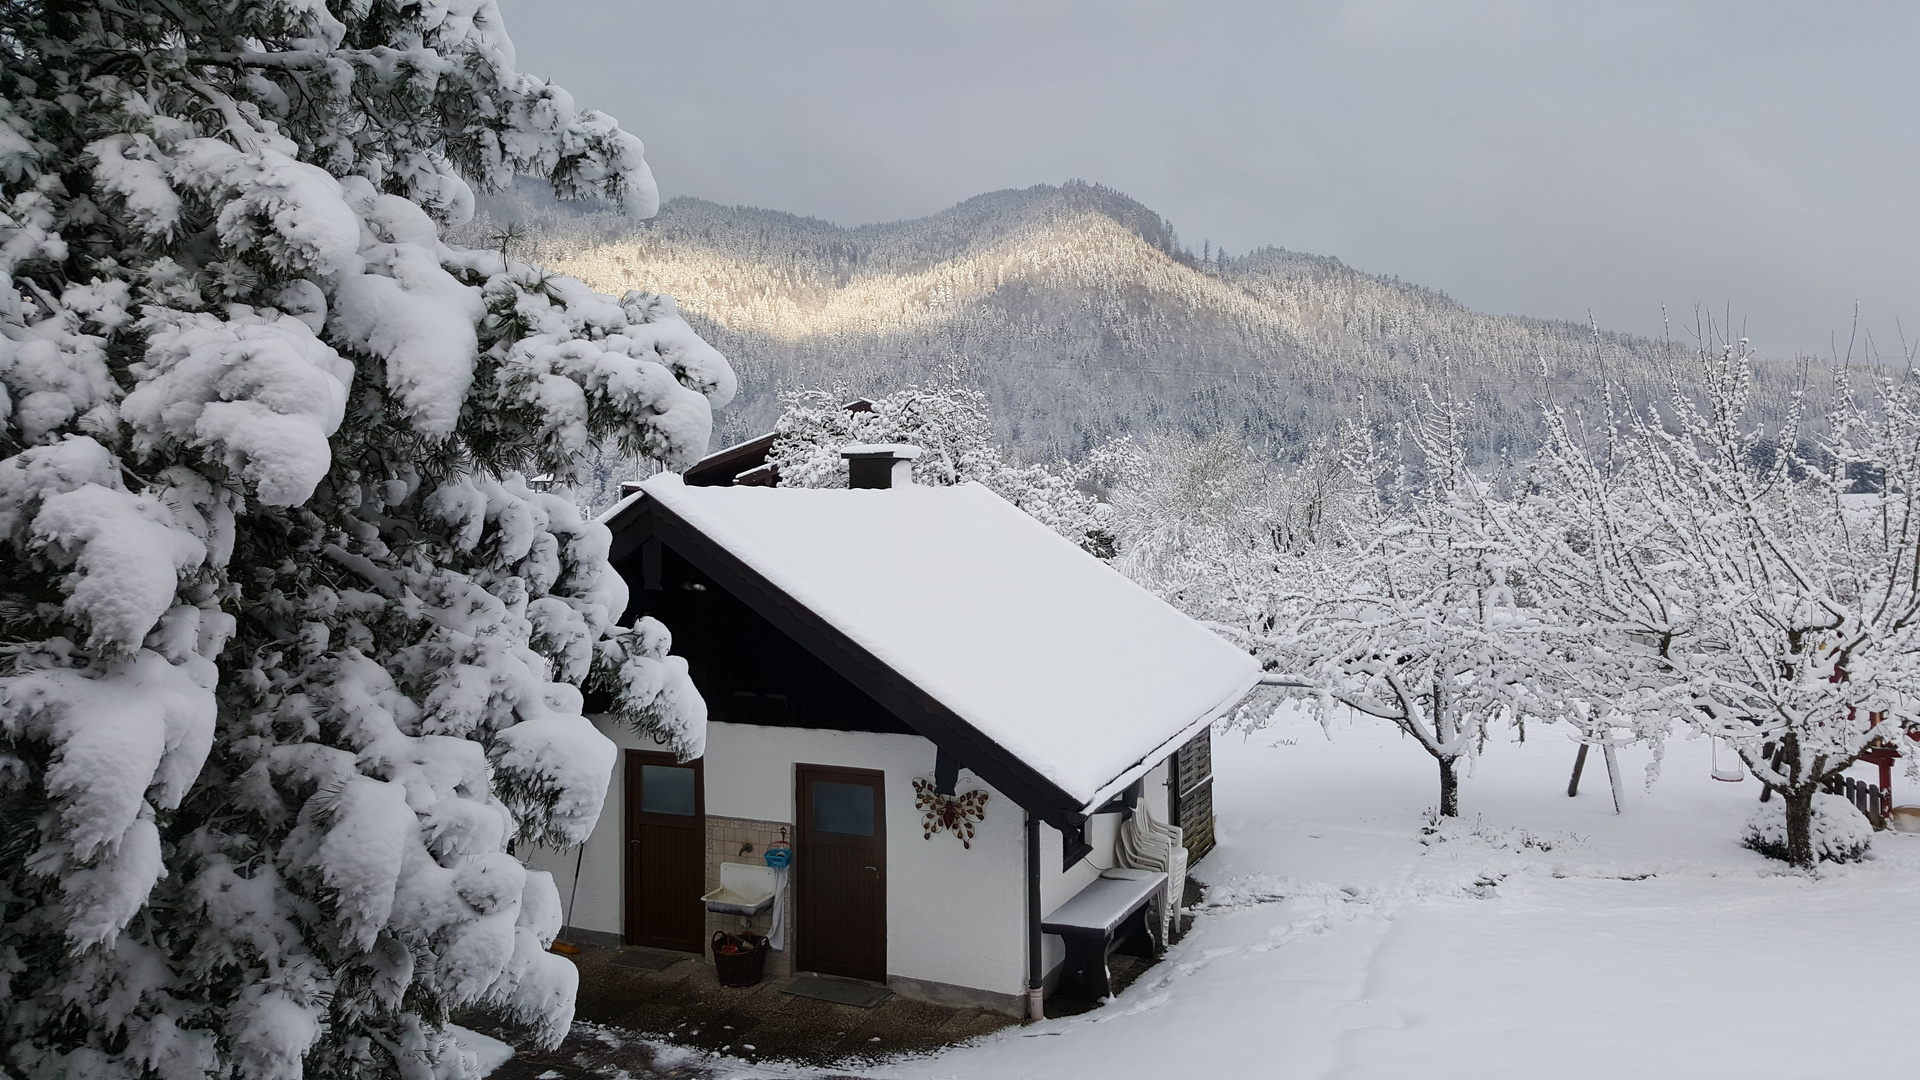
954, 915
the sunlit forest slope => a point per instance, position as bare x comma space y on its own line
1081, 314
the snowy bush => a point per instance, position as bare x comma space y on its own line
290, 656
1841, 833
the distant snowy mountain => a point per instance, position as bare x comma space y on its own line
1079, 312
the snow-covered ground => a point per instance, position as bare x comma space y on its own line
1543, 937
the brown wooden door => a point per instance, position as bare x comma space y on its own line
840, 873
666, 852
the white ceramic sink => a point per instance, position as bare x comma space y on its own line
744, 890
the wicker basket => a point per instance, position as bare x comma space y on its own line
739, 960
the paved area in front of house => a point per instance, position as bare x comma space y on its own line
669, 1023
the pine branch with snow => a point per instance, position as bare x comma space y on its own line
290, 656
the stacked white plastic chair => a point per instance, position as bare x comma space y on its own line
1145, 844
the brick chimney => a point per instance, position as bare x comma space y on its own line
879, 465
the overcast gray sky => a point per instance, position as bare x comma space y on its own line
1530, 158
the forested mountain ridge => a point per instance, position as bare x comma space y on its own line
1082, 316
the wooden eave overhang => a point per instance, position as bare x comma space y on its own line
720, 468
646, 519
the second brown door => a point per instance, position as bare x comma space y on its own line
840, 873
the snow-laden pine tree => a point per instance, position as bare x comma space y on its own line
949, 422
290, 657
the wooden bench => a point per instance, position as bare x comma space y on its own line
1108, 916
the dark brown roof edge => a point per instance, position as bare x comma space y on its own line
719, 469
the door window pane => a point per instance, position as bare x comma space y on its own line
843, 808
666, 789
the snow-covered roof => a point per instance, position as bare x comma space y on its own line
1047, 652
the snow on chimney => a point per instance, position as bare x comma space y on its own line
879, 465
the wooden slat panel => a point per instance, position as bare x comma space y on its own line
748, 670
1870, 799
1197, 807
1193, 803
842, 900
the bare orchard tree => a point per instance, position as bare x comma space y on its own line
1593, 560
1425, 622
1765, 597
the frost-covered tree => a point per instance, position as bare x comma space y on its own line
290, 657
1427, 622
1189, 513
1200, 523
948, 421
1389, 577
1767, 596
1388, 587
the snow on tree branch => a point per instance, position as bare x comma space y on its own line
290, 656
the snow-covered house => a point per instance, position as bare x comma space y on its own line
869, 653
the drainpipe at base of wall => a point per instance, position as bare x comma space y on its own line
1036, 978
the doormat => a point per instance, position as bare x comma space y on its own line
646, 959
863, 995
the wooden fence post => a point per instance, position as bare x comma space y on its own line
1579, 763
